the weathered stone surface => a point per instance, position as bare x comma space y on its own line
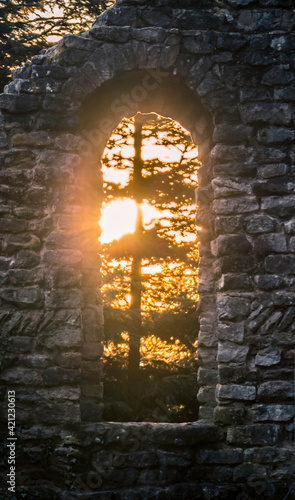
20, 375
278, 390
19, 103
231, 244
238, 205
63, 338
270, 243
64, 299
232, 307
56, 375
277, 114
268, 357
235, 392
221, 457
263, 434
233, 332
184, 434
282, 264
274, 413
229, 282
232, 354
279, 206
267, 454
236, 264
234, 61
273, 170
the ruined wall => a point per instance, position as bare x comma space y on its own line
224, 70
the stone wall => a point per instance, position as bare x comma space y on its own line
224, 70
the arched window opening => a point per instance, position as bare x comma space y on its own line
150, 260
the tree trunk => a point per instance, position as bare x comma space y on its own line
136, 289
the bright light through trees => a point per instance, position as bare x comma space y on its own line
150, 251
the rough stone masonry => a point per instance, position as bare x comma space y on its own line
225, 70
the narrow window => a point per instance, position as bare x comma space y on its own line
150, 261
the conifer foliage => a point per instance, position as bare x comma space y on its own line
150, 276
28, 26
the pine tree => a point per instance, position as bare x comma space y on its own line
26, 27
164, 302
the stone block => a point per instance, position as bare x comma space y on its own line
245, 471
56, 375
277, 76
234, 456
275, 135
92, 370
27, 296
267, 455
281, 264
33, 139
63, 258
273, 170
38, 361
237, 205
92, 350
272, 413
170, 459
276, 391
236, 264
63, 413
26, 276
21, 376
66, 337
232, 354
290, 226
230, 244
232, 374
229, 282
233, 332
111, 33
92, 321
70, 360
279, 186
207, 356
64, 299
259, 434
268, 357
79, 42
232, 134
270, 243
206, 395
19, 344
232, 307
207, 377
287, 319
52, 71
13, 243
272, 113
279, 206
235, 392
228, 224
185, 434
269, 282
224, 415
150, 34
19, 103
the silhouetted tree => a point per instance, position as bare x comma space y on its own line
27, 25
162, 303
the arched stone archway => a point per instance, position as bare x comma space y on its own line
225, 73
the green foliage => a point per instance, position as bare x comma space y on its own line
27, 25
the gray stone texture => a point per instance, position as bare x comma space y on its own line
225, 70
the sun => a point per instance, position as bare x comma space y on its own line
118, 218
